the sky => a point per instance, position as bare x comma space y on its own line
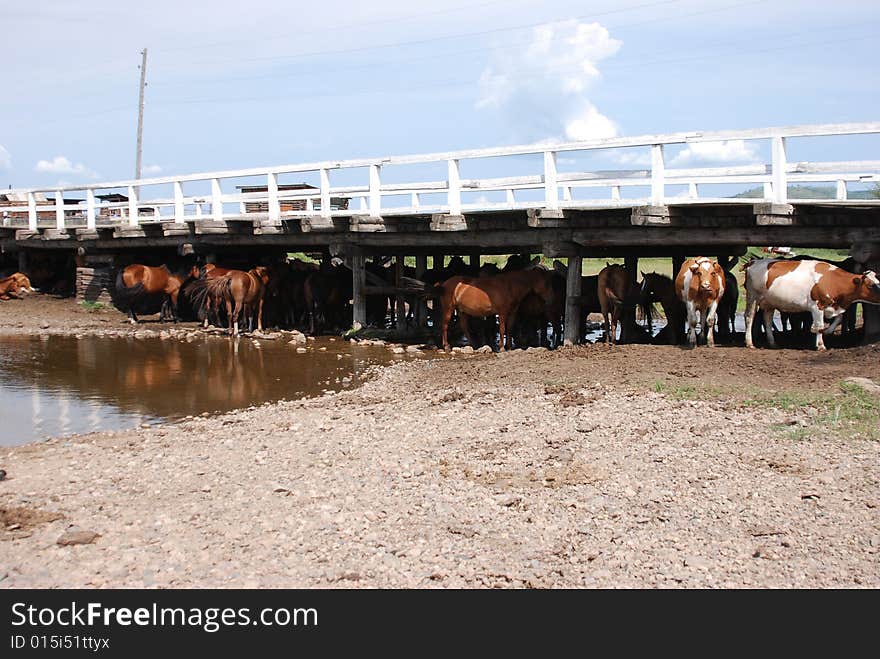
233, 85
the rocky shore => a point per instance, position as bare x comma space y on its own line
637, 466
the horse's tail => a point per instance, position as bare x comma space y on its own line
219, 288
126, 295
613, 296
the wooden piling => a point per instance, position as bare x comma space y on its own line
358, 281
421, 310
399, 302
572, 331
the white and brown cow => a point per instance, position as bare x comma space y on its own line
791, 286
700, 285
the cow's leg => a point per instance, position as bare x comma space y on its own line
751, 307
710, 315
819, 326
131, 316
768, 327
692, 324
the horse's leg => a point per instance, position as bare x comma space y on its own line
260, 314
502, 332
131, 317
174, 297
465, 326
444, 326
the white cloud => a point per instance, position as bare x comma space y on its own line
728, 151
5, 158
151, 170
63, 165
544, 87
632, 157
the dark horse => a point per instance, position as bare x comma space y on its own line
137, 281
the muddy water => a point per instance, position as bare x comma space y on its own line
52, 386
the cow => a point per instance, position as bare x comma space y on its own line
700, 285
820, 288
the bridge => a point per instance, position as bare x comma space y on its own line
528, 198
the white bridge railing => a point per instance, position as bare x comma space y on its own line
549, 187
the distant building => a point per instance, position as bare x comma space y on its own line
336, 203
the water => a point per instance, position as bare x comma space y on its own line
51, 386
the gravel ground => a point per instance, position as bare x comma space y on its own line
529, 469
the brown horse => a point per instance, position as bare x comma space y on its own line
211, 271
137, 281
14, 285
611, 289
241, 292
499, 294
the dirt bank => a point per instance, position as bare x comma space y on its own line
639, 466
47, 314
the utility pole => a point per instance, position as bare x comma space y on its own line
140, 136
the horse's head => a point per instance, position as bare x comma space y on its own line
261, 272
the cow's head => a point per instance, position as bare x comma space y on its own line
868, 286
706, 275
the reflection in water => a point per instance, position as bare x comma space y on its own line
60, 385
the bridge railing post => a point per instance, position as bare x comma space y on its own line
453, 194
216, 200
779, 176
178, 203
274, 204
32, 211
841, 189
658, 175
375, 191
325, 192
59, 210
551, 182
90, 210
133, 206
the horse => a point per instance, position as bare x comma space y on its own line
14, 285
207, 272
326, 294
240, 292
499, 294
137, 281
659, 289
611, 288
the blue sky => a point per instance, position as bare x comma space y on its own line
233, 86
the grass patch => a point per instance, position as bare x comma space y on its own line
92, 307
844, 411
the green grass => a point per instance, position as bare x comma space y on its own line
92, 307
844, 411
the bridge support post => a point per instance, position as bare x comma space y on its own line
628, 319
572, 331
358, 281
399, 302
421, 310
23, 261
677, 262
